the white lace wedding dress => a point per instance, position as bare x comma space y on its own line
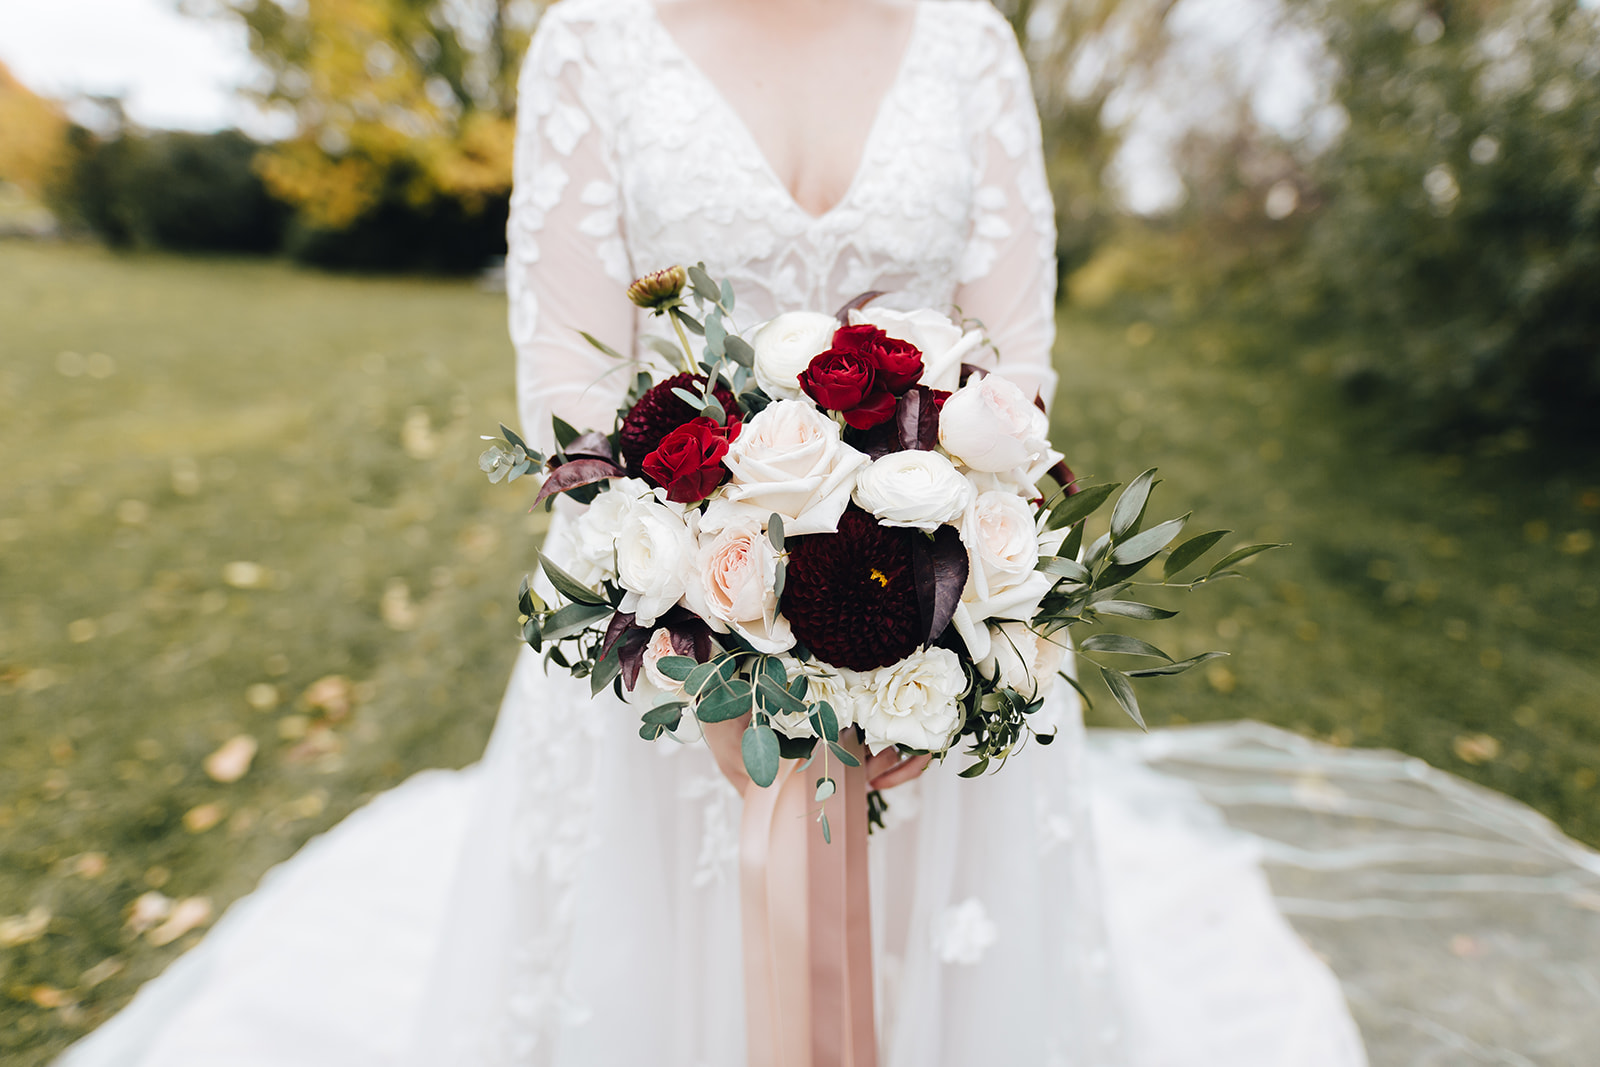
572, 899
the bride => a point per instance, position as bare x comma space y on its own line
572, 900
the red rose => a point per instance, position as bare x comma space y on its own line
847, 383
688, 462
898, 363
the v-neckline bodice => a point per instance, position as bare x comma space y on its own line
908, 57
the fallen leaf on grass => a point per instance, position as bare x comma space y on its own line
106, 969
1476, 748
332, 695
24, 929
148, 910
187, 914
230, 762
199, 819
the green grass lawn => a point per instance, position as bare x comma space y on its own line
239, 508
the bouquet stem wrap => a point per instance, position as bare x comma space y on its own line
807, 925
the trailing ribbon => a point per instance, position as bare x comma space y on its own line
807, 924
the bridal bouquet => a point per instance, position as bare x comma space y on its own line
836, 524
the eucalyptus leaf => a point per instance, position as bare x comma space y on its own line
1122, 689
775, 530
566, 584
1132, 609
777, 700
825, 789
1185, 554
715, 335
1239, 554
1175, 668
689, 322
665, 714
573, 619
602, 346
565, 432
724, 702
727, 295
704, 287
512, 439
759, 747
827, 832
1065, 567
1122, 644
676, 667
1141, 546
738, 349
842, 754
665, 348
827, 721
696, 402
1130, 505
1080, 505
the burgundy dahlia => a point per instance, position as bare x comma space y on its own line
658, 413
851, 596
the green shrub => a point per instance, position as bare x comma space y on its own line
181, 191
1461, 232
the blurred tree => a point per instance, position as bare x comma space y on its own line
401, 107
32, 139
1462, 225
1084, 55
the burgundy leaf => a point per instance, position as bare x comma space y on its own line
576, 473
621, 623
940, 567
917, 419
1065, 478
631, 654
877, 442
843, 314
592, 445
690, 637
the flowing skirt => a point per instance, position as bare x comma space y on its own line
572, 900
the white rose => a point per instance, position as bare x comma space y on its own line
990, 425
786, 345
588, 543
735, 585
791, 460
655, 554
915, 702
943, 345
844, 690
914, 488
1020, 658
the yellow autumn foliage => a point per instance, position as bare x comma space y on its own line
31, 136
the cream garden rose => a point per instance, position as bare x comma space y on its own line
658, 648
656, 552
991, 425
914, 488
915, 702
785, 346
734, 585
1000, 533
790, 459
1021, 659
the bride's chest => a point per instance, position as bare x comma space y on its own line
694, 183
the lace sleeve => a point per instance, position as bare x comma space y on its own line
567, 266
1008, 274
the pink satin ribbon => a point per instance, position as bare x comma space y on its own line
807, 922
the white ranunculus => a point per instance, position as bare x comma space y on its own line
655, 555
1020, 658
844, 690
786, 345
790, 459
734, 584
587, 546
989, 424
943, 344
914, 488
915, 702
